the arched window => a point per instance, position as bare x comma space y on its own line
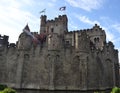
26, 56
109, 72
96, 39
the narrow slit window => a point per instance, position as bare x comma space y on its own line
52, 30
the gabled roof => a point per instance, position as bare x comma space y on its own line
27, 28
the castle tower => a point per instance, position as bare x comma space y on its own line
25, 39
3, 42
3, 51
58, 25
43, 23
97, 36
55, 29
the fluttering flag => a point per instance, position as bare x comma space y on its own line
62, 8
27, 31
37, 39
26, 28
43, 11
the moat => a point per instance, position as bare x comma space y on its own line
43, 91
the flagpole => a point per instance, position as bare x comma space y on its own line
43, 11
64, 12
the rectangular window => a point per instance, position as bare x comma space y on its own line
67, 42
52, 30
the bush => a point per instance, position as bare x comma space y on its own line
8, 90
2, 87
115, 90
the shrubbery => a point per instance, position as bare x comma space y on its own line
8, 90
115, 90
5, 89
2, 87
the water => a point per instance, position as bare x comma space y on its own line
45, 91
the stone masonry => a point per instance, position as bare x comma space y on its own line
58, 59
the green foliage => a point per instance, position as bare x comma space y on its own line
2, 87
8, 90
115, 90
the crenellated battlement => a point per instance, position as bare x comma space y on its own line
92, 30
4, 40
56, 24
12, 45
59, 19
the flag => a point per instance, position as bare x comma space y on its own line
26, 28
43, 11
62, 8
27, 31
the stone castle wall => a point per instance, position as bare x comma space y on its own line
78, 60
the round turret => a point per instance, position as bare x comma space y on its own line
43, 23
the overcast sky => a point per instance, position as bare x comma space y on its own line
82, 14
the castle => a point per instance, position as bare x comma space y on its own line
58, 59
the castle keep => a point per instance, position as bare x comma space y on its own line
58, 59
